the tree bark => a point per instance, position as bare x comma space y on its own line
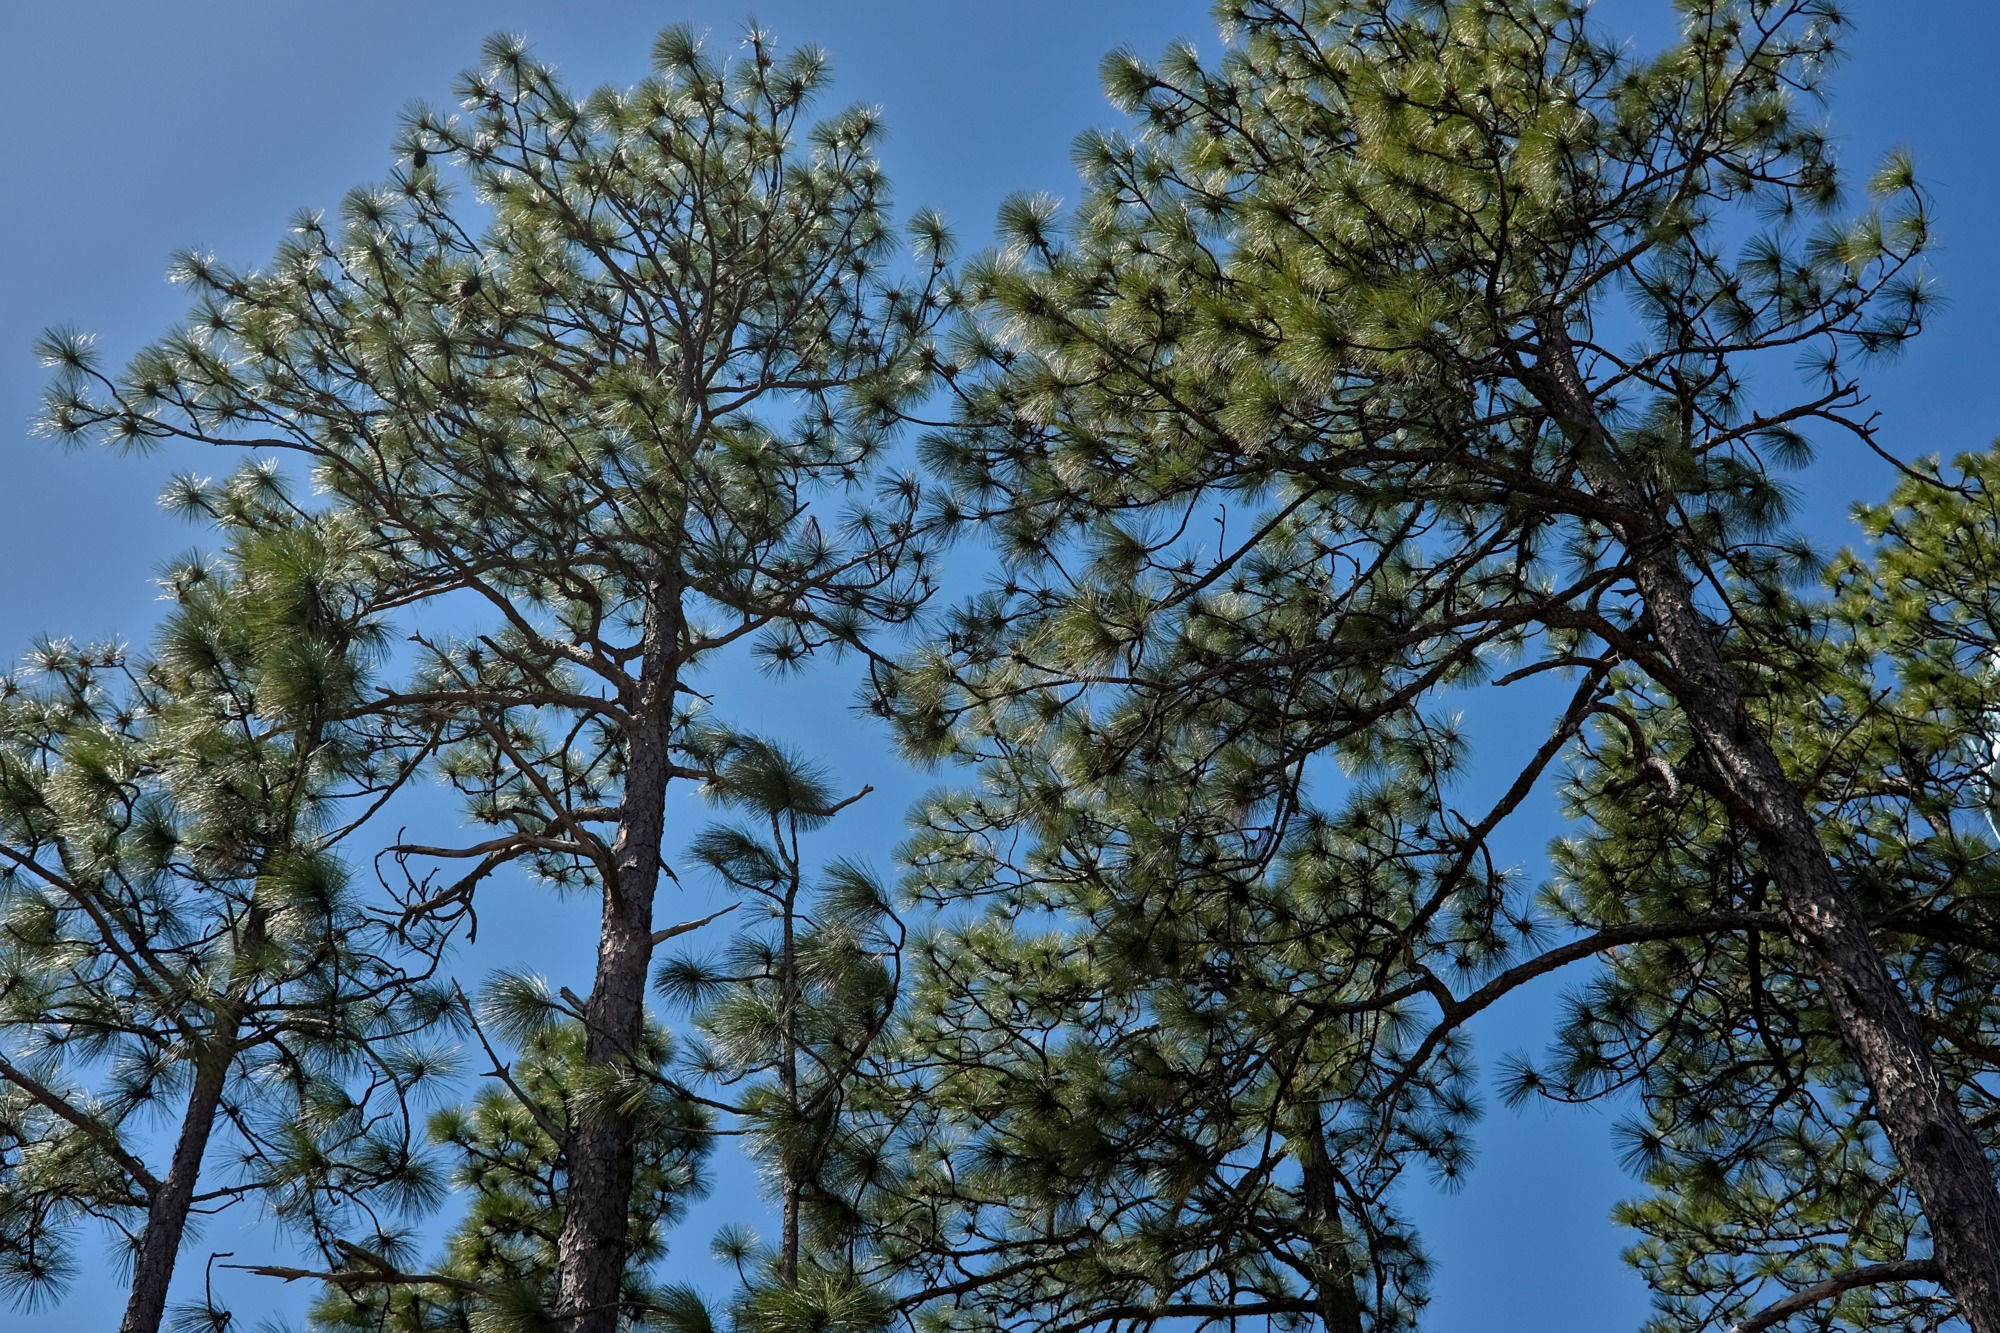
788, 1076
167, 1210
1339, 1309
1922, 1118
590, 1250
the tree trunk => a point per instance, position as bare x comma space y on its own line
1925, 1125
167, 1210
788, 1078
1333, 1281
590, 1251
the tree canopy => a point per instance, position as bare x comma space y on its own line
1408, 362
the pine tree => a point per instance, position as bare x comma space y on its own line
1775, 1199
602, 409
1404, 350
500, 1267
789, 1014
185, 968
793, 1016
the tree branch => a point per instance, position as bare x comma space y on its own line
106, 1137
662, 936
1901, 1270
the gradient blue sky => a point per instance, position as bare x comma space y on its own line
138, 128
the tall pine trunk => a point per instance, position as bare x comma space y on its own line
788, 1082
590, 1250
1333, 1279
167, 1210
1334, 1298
1924, 1123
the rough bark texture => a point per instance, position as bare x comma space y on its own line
788, 1079
600, 1157
1334, 1300
1922, 1118
167, 1210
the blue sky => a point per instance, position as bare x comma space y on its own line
138, 128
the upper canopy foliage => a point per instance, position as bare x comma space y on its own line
1408, 357
1360, 386
599, 389
182, 946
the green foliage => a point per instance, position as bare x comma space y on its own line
1764, 1156
543, 383
618, 366
1397, 360
497, 1273
602, 386
1374, 373
184, 963
792, 1017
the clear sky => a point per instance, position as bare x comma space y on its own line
135, 128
